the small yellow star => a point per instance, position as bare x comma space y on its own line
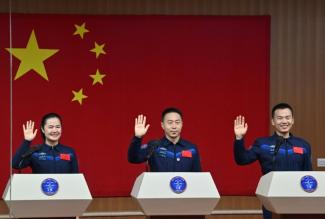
97, 77
78, 96
80, 30
32, 57
98, 49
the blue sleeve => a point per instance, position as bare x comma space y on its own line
17, 161
197, 163
136, 152
242, 155
74, 164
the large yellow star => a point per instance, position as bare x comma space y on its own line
97, 78
98, 49
78, 96
80, 30
32, 57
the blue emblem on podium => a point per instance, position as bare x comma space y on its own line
308, 183
178, 184
49, 186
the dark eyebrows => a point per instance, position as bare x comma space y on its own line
280, 117
177, 120
50, 126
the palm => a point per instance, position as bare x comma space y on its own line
240, 130
29, 132
240, 127
140, 127
140, 130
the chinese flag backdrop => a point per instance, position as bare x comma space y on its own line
211, 67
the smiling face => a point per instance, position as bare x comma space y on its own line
52, 131
283, 121
172, 125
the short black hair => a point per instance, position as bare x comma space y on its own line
171, 110
46, 117
281, 106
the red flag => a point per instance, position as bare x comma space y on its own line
65, 156
298, 150
186, 153
99, 72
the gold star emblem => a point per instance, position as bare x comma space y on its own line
80, 30
32, 57
97, 78
78, 96
98, 49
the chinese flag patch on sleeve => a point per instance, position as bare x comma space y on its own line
65, 156
298, 150
186, 154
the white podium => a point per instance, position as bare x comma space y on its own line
25, 198
155, 195
282, 192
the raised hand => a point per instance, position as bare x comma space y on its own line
29, 132
140, 127
240, 127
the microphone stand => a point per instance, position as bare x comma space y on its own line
19, 165
152, 147
28, 154
150, 153
278, 143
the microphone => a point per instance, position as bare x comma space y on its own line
27, 154
152, 145
278, 142
30, 151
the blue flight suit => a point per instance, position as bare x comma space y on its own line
166, 157
47, 159
294, 155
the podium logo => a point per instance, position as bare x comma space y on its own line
308, 183
178, 184
49, 186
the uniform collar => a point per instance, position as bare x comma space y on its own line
166, 142
286, 140
275, 136
56, 147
